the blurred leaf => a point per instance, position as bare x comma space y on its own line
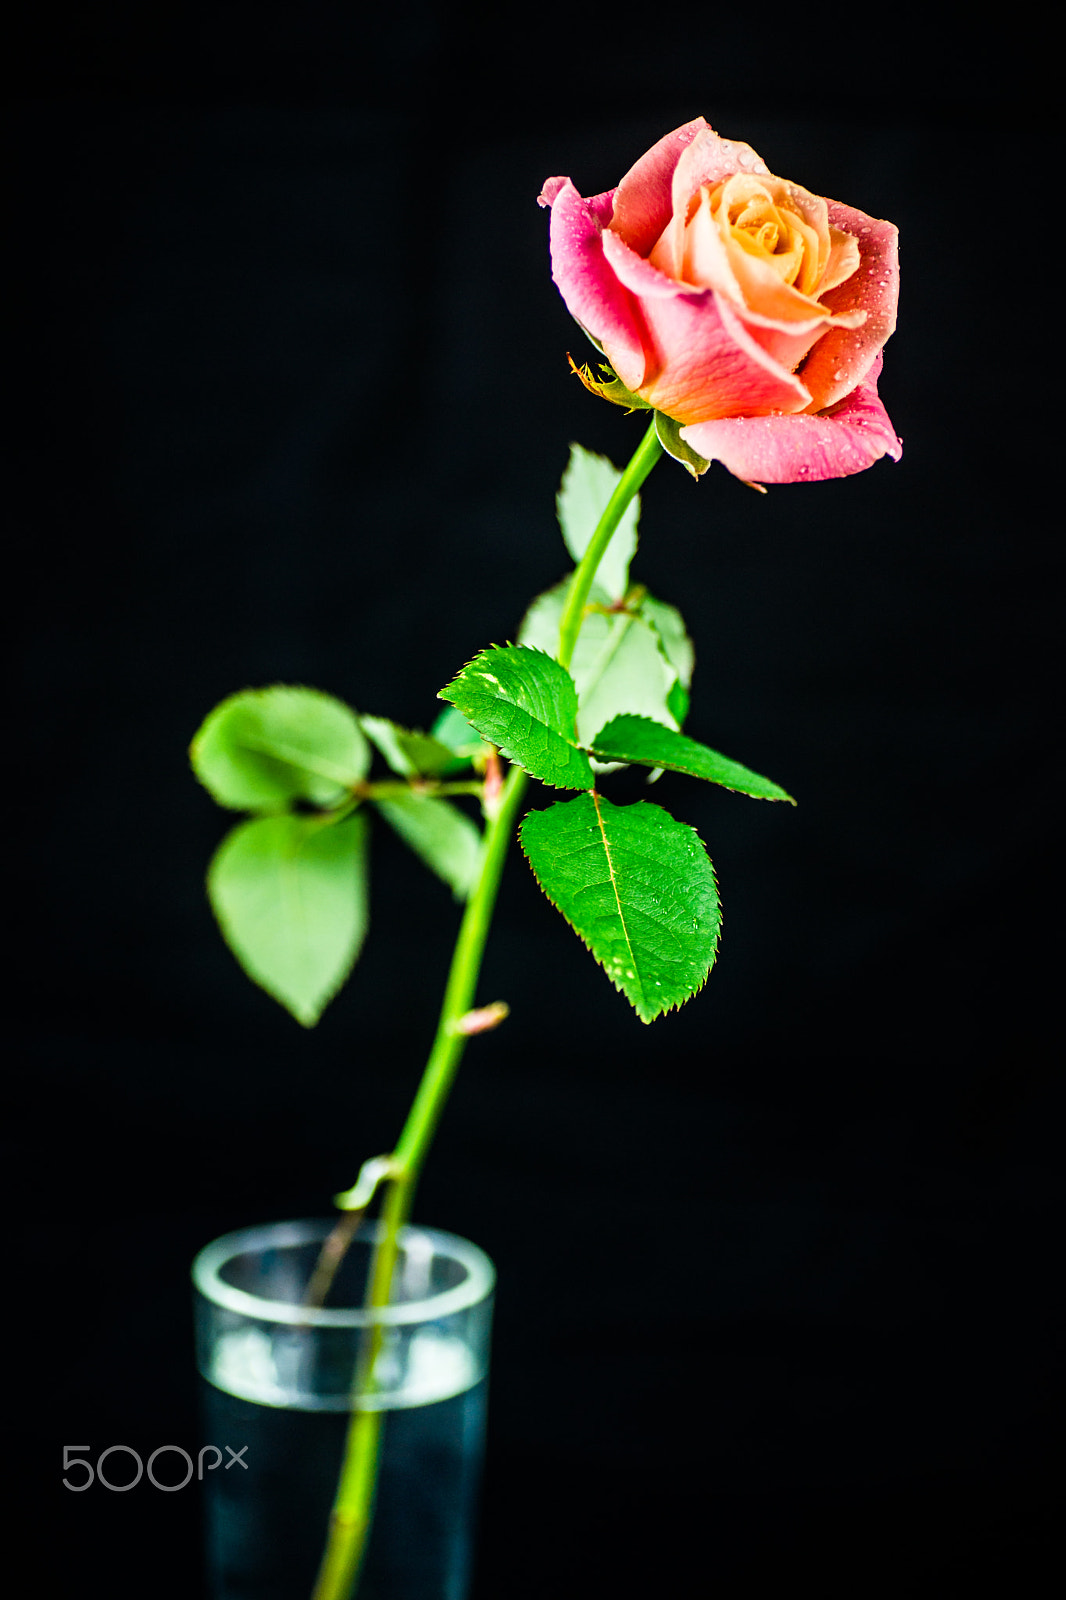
637, 887
526, 703
290, 895
466, 744
452, 729
618, 664
588, 483
442, 835
636, 739
262, 749
409, 753
676, 644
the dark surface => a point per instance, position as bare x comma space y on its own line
291, 405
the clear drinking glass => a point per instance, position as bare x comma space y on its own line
277, 1380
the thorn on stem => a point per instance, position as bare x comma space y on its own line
483, 1019
492, 792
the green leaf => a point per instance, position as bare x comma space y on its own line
677, 703
442, 835
588, 483
452, 729
408, 752
669, 435
674, 642
264, 748
290, 895
525, 702
618, 664
466, 744
636, 739
637, 887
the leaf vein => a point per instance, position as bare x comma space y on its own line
614, 885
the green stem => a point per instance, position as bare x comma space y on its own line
643, 459
349, 1527
388, 789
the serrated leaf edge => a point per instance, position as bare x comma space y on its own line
676, 1004
644, 761
568, 739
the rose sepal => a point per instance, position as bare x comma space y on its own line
668, 433
609, 387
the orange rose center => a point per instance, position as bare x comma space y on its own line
764, 243
744, 211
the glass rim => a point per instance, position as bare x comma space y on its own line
207, 1265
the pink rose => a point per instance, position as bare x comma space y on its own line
748, 310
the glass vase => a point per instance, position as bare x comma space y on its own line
276, 1388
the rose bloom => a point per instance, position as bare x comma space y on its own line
750, 311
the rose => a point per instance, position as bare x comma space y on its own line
741, 306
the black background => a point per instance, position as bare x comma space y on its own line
291, 405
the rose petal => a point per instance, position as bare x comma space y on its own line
840, 360
761, 283
550, 189
804, 448
601, 205
788, 196
592, 293
765, 291
706, 161
843, 260
702, 360
694, 253
642, 204
711, 159
783, 321
787, 343
677, 340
